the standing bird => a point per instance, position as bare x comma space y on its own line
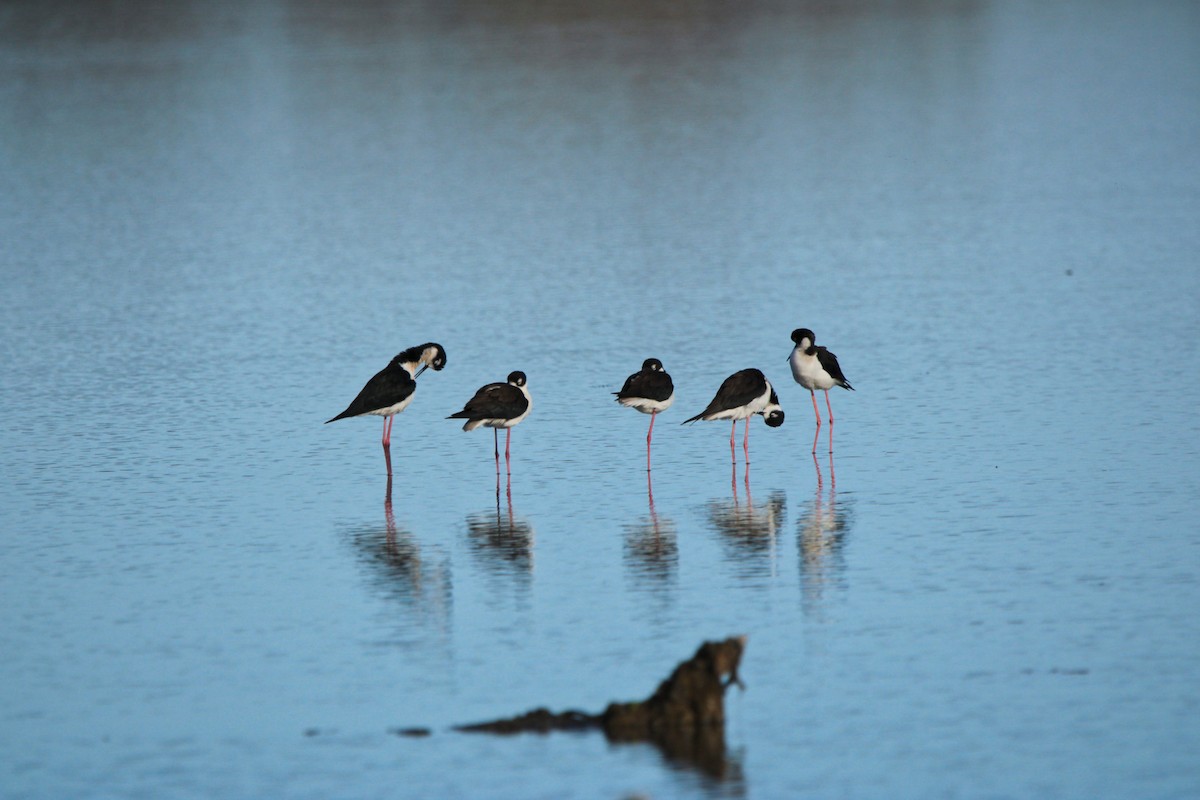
498, 405
814, 368
391, 389
742, 395
649, 391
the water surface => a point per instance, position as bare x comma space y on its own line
219, 221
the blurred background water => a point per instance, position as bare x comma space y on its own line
219, 219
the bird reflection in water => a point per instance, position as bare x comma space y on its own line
821, 534
651, 549
502, 540
750, 529
394, 557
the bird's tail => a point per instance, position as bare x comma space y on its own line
846, 385
693, 419
470, 424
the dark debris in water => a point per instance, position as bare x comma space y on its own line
540, 720
411, 733
684, 718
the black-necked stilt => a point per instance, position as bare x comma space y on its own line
498, 405
814, 367
391, 389
742, 395
649, 391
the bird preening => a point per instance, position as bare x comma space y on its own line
650, 390
390, 390
742, 395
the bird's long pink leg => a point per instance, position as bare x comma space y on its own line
650, 497
830, 420
507, 442
746, 442
816, 438
387, 444
496, 445
649, 436
732, 451
817, 435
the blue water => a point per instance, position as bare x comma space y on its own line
218, 220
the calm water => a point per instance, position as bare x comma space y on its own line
218, 220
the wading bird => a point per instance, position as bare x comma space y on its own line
814, 367
391, 389
742, 395
498, 405
649, 391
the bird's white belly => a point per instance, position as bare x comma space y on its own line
645, 405
508, 423
493, 423
390, 410
808, 372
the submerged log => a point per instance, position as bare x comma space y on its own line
685, 717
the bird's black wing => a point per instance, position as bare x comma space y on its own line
649, 384
494, 401
829, 363
389, 386
737, 390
